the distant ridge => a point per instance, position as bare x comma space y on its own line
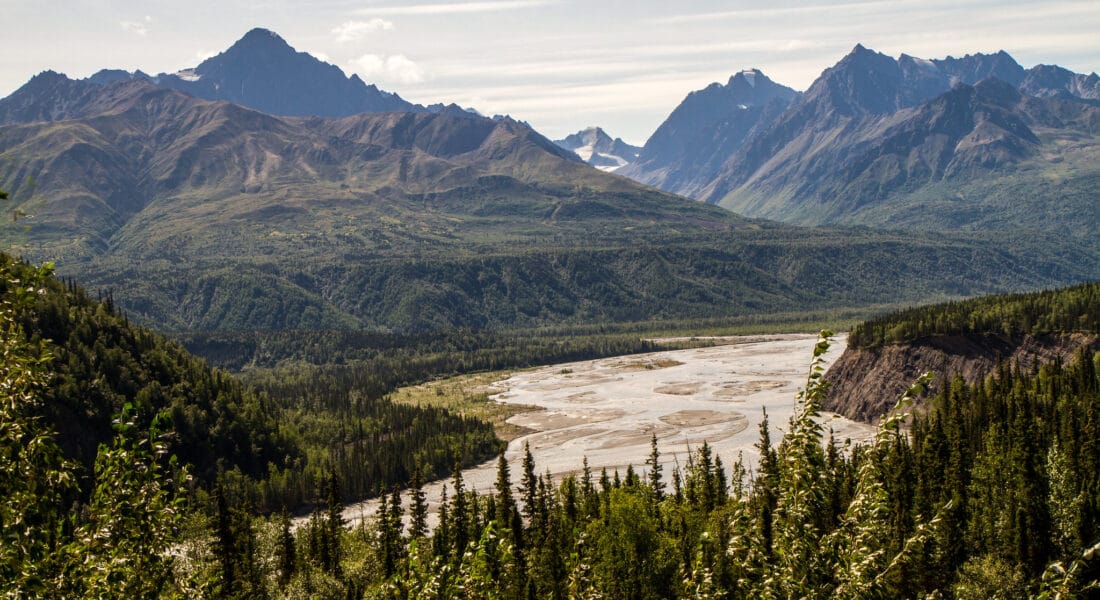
262, 71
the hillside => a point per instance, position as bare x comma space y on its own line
968, 339
271, 442
101, 363
208, 215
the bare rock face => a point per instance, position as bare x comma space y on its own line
867, 382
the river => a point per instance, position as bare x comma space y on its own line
608, 409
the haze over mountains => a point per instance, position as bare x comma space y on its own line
206, 214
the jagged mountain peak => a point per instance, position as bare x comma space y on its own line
262, 36
749, 76
258, 45
1047, 81
595, 147
710, 124
589, 136
973, 68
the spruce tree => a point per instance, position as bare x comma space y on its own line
655, 469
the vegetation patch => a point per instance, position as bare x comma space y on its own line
470, 396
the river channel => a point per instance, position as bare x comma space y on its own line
606, 410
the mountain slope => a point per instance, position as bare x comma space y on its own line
686, 151
101, 363
262, 71
209, 215
976, 143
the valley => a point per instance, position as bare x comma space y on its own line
265, 325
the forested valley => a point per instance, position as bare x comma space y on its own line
132, 469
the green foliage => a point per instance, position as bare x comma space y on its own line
102, 362
899, 518
35, 478
270, 443
996, 479
129, 523
1053, 311
116, 544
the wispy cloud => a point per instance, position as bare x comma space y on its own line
350, 31
455, 7
394, 68
137, 27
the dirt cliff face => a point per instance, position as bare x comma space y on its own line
867, 382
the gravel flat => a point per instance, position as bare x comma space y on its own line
607, 409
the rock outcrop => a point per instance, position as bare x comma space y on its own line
867, 382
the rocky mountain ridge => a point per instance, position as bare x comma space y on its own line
215, 216
890, 142
595, 147
260, 71
685, 153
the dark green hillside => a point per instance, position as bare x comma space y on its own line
102, 362
273, 445
1068, 310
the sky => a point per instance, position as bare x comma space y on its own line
560, 65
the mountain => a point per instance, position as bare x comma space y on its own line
1054, 81
918, 144
597, 148
973, 68
864, 85
977, 143
686, 151
262, 71
209, 215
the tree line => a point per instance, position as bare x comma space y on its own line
1063, 310
990, 491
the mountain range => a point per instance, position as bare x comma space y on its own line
206, 214
976, 143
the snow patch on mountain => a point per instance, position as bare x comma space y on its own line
598, 149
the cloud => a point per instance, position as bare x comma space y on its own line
395, 68
457, 7
137, 27
350, 31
